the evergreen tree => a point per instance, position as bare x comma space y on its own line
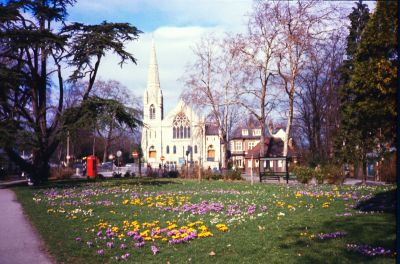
36, 45
347, 139
369, 116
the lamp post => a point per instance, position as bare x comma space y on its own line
251, 171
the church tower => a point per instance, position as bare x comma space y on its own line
153, 112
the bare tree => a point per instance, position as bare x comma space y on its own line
317, 98
257, 51
300, 24
209, 85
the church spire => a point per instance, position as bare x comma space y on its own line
153, 80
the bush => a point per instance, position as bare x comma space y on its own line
173, 174
234, 174
333, 173
303, 174
216, 177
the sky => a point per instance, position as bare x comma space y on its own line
175, 25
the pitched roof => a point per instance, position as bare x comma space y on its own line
212, 130
237, 134
255, 152
273, 148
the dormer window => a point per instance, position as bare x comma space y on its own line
152, 112
257, 132
245, 132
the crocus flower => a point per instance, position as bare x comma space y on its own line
110, 244
154, 249
125, 256
100, 252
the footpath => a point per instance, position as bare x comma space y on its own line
19, 242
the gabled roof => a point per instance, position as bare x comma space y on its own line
238, 133
273, 147
255, 152
212, 130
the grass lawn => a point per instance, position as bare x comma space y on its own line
181, 221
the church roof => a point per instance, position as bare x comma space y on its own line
153, 79
212, 130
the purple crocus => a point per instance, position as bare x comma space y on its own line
77, 239
368, 250
110, 244
122, 246
125, 256
100, 252
154, 249
331, 235
89, 243
139, 244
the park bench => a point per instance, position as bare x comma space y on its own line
275, 175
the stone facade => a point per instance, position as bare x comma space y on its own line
181, 136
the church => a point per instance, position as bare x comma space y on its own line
181, 137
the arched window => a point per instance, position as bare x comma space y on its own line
174, 149
167, 150
152, 112
210, 153
195, 149
181, 126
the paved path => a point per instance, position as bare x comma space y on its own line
19, 243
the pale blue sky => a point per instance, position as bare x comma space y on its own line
176, 25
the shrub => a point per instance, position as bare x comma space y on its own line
303, 174
234, 174
173, 174
217, 177
333, 173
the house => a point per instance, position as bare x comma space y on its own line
273, 148
243, 140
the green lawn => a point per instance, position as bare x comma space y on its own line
210, 222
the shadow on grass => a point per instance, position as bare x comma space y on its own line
376, 230
384, 201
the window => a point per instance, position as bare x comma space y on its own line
257, 132
210, 153
181, 126
245, 132
167, 150
251, 145
238, 145
152, 112
195, 149
152, 152
174, 149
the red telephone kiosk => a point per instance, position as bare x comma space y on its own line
91, 166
